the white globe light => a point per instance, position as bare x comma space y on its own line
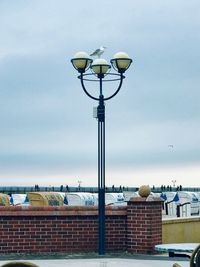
121, 60
81, 60
121, 55
81, 55
100, 66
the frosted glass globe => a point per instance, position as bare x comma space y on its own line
100, 66
80, 60
122, 60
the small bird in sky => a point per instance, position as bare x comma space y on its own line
170, 146
98, 52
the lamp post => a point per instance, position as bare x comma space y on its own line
100, 73
174, 182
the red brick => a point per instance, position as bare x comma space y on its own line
75, 229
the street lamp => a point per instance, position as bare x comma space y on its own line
100, 72
79, 185
174, 182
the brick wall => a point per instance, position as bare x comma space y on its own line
135, 228
144, 225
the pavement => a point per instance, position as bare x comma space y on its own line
141, 261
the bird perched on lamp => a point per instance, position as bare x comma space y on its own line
98, 52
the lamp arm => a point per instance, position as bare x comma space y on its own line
84, 89
119, 87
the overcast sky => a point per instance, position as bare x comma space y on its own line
48, 135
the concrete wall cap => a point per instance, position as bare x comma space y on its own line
145, 199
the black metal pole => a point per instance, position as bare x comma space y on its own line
101, 154
101, 171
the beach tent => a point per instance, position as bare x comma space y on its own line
170, 204
189, 202
114, 199
129, 194
111, 199
19, 199
45, 199
4, 200
80, 199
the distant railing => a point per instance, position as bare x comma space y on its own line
62, 188
24, 189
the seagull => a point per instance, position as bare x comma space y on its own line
98, 52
